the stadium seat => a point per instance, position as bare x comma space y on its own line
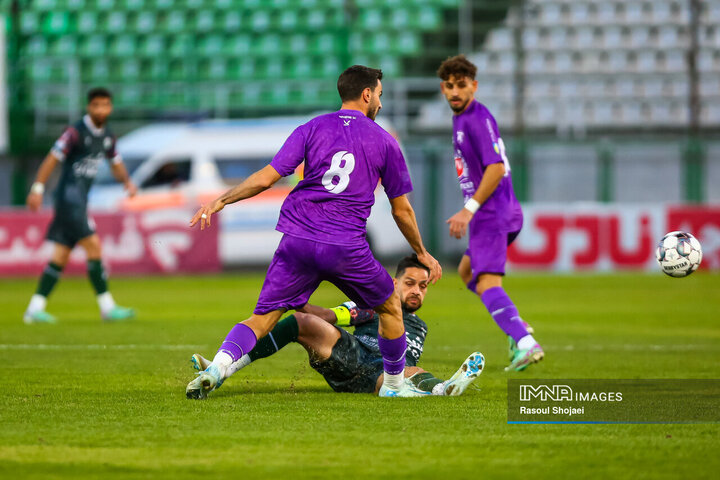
57, 23
76, 5
45, 5
29, 22
210, 45
260, 21
407, 43
36, 46
204, 21
331, 68
326, 44
100, 71
612, 37
302, 67
87, 22
94, 46
213, 69
132, 5
116, 22
123, 46
288, 20
146, 22
371, 19
64, 46
107, 5
165, 4
237, 45
129, 69
315, 20
152, 46
181, 46
270, 44
605, 14
502, 39
427, 19
40, 71
232, 21
298, 44
175, 21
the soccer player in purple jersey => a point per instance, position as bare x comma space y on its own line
491, 213
323, 222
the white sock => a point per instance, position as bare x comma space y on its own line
241, 363
37, 303
223, 361
526, 342
393, 382
106, 302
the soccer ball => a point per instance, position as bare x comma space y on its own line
679, 254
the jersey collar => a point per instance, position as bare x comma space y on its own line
471, 106
91, 126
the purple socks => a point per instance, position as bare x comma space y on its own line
504, 313
239, 341
393, 353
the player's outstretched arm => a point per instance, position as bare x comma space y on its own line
251, 186
491, 179
347, 314
121, 175
325, 313
34, 198
404, 216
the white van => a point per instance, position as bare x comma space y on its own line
177, 165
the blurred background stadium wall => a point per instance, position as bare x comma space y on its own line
610, 109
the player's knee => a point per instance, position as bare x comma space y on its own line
465, 274
93, 248
302, 319
465, 271
487, 281
61, 256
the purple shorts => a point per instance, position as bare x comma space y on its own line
299, 265
487, 249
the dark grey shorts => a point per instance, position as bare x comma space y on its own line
70, 226
352, 367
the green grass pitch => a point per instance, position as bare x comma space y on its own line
108, 401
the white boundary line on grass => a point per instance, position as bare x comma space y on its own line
42, 346
628, 347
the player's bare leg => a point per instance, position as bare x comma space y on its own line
35, 312
317, 336
109, 310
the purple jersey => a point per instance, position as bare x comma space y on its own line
345, 155
477, 144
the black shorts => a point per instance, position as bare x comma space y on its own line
70, 226
352, 367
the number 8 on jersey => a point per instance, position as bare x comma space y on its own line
339, 170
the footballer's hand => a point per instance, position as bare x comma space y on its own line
34, 201
459, 223
130, 188
203, 215
434, 266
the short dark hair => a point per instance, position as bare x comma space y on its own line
411, 261
98, 92
458, 66
355, 79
